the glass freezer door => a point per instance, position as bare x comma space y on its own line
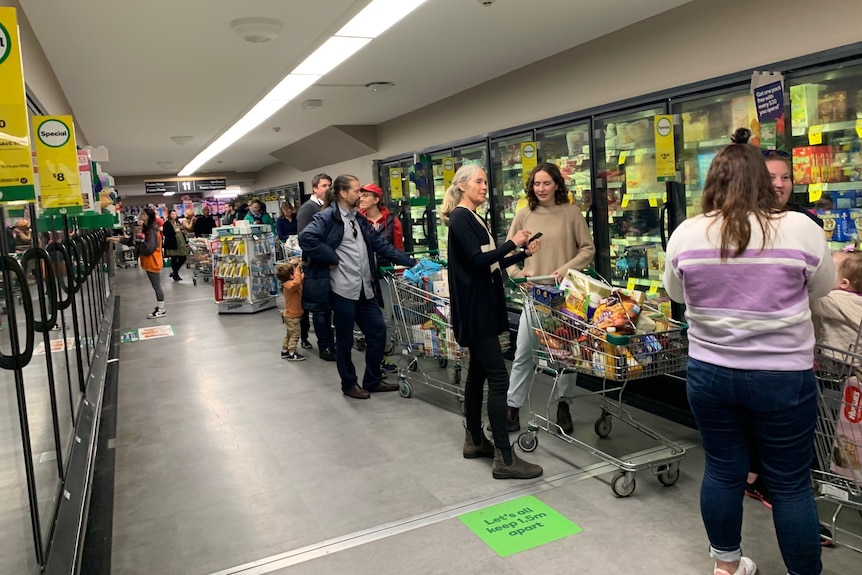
632, 201
826, 130
419, 185
442, 169
507, 180
475, 154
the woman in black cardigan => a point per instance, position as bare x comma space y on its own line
479, 316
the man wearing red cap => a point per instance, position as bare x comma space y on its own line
387, 225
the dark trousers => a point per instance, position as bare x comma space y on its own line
323, 329
486, 362
366, 314
177, 264
304, 325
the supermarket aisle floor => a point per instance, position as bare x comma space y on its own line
226, 455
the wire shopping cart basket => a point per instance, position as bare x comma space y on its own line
424, 330
564, 344
838, 437
200, 259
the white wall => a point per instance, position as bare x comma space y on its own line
38, 73
698, 41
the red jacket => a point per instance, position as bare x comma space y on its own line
388, 226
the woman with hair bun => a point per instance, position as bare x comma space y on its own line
745, 269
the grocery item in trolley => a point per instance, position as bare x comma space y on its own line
847, 450
604, 331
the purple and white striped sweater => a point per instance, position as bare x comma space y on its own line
752, 311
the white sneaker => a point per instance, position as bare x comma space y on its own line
157, 313
746, 567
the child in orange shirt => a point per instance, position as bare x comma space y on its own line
290, 275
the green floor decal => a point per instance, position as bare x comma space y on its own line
518, 525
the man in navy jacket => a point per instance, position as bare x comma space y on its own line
339, 243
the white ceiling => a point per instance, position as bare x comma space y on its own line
137, 73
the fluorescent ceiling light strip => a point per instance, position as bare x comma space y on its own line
332, 53
276, 99
377, 17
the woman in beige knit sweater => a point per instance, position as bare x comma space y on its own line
566, 244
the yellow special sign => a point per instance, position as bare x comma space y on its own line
396, 191
448, 172
57, 154
529, 157
665, 155
16, 163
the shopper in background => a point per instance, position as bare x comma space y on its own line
745, 270
148, 244
340, 246
286, 225
230, 214
322, 315
204, 224
241, 211
479, 316
188, 221
780, 172
257, 215
176, 246
289, 275
22, 234
386, 224
566, 244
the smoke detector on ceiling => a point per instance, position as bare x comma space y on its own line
486, 2
257, 30
378, 87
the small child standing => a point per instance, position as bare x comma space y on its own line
837, 315
289, 274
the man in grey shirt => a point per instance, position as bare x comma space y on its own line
339, 243
320, 185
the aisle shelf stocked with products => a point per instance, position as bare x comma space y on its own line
243, 269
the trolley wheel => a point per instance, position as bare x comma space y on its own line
621, 487
670, 475
456, 376
194, 281
413, 365
603, 425
361, 344
528, 441
404, 388
443, 362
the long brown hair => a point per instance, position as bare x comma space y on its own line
561, 193
738, 185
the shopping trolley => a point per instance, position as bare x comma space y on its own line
563, 344
424, 330
200, 259
838, 437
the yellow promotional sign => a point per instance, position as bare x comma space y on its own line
528, 160
665, 155
57, 155
815, 192
16, 164
815, 135
448, 172
396, 190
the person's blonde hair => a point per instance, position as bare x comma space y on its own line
452, 197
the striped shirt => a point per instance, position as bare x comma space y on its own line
751, 311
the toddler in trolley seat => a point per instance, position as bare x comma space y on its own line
290, 275
838, 315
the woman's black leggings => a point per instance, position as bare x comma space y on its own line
486, 362
177, 263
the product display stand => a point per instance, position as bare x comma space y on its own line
243, 269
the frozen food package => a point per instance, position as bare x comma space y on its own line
617, 311
847, 449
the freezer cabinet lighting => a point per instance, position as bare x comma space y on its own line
378, 17
332, 53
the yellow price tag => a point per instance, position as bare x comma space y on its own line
815, 192
623, 156
859, 128
625, 201
632, 284
653, 287
653, 202
815, 135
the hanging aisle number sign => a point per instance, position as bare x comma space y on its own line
396, 190
528, 160
57, 155
16, 164
665, 155
448, 172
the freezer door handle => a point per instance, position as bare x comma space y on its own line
662, 221
64, 280
47, 303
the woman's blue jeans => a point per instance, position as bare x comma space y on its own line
774, 413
